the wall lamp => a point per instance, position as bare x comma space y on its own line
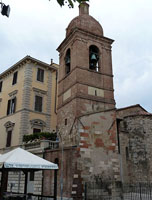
5, 10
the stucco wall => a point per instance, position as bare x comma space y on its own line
25, 90
14, 118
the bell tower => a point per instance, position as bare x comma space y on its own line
85, 74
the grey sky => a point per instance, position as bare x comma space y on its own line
37, 27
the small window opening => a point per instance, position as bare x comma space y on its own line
11, 106
95, 92
36, 130
9, 138
14, 78
66, 122
127, 153
68, 61
38, 103
94, 58
40, 75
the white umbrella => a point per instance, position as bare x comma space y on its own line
22, 159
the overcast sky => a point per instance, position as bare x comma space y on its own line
37, 27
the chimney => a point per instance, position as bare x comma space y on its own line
84, 9
51, 61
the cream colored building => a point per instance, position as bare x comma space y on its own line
28, 93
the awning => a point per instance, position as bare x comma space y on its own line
22, 159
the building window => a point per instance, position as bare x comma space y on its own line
94, 58
38, 103
9, 138
1, 83
66, 122
127, 153
40, 75
36, 130
9, 130
14, 78
37, 125
11, 106
68, 61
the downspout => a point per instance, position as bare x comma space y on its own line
119, 150
43, 156
56, 92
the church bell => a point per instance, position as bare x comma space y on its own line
67, 61
93, 57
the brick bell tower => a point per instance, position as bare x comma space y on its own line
85, 74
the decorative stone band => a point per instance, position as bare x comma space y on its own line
37, 90
13, 93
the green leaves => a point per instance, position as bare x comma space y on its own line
60, 2
37, 136
70, 2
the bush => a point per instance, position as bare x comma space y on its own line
42, 135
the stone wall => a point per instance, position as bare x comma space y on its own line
135, 133
17, 180
130, 110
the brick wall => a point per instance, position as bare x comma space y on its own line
68, 173
98, 151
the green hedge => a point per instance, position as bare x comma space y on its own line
42, 135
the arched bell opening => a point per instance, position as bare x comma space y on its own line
94, 58
68, 61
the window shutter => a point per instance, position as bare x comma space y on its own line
9, 137
8, 107
40, 75
14, 78
38, 103
13, 105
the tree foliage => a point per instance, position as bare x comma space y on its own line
70, 2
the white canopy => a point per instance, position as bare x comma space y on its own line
21, 159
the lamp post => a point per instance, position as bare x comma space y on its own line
5, 10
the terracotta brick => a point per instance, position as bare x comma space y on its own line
95, 123
99, 142
84, 134
87, 127
102, 117
111, 148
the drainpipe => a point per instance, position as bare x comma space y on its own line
56, 92
119, 150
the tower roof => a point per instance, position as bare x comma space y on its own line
85, 22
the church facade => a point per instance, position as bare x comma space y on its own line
97, 140
86, 116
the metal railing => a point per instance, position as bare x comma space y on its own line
20, 196
117, 191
